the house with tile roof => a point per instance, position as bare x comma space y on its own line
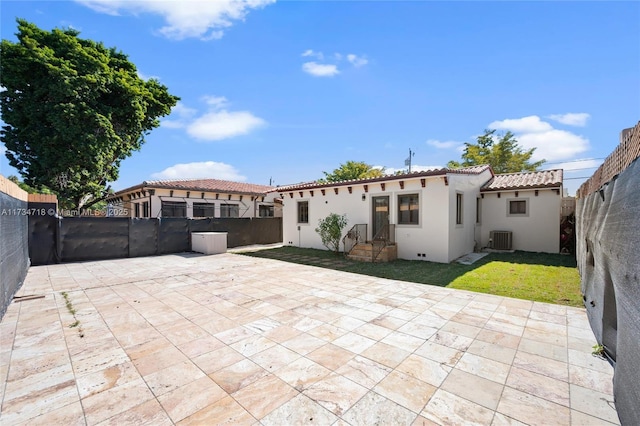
195, 198
435, 215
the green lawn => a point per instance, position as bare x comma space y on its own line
541, 277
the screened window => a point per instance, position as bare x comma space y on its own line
174, 209
458, 209
265, 211
518, 207
303, 212
203, 210
136, 210
408, 209
145, 209
229, 210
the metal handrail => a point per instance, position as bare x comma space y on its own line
385, 236
356, 235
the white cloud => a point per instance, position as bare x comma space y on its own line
572, 118
204, 19
577, 165
218, 125
204, 169
313, 54
357, 61
553, 145
530, 124
320, 70
181, 116
216, 102
444, 144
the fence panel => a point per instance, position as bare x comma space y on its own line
90, 238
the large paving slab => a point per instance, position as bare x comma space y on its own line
230, 339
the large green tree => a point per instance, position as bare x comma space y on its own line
501, 152
352, 170
73, 110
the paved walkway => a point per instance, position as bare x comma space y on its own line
192, 339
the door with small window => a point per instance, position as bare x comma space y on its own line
380, 214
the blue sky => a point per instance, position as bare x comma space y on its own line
282, 91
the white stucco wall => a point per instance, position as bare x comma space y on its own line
462, 237
428, 240
537, 231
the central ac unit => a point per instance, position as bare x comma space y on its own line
500, 240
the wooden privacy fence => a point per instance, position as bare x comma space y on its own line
617, 161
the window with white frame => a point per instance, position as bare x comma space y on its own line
518, 207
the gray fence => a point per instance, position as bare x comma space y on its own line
94, 238
14, 256
608, 243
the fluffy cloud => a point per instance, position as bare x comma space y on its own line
357, 61
528, 124
204, 169
550, 144
204, 19
572, 118
218, 125
577, 165
320, 70
444, 144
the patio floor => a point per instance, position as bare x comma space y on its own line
193, 339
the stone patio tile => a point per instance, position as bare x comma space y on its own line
217, 359
403, 341
374, 409
439, 353
300, 410
33, 399
331, 356
100, 381
447, 408
354, 342
532, 410
200, 346
541, 365
336, 393
372, 331
275, 357
364, 371
452, 340
494, 352
557, 353
591, 379
158, 360
226, 411
484, 367
579, 418
405, 390
302, 373
538, 385
474, 388
186, 400
388, 322
147, 413
113, 401
386, 354
498, 338
327, 332
238, 375
304, 343
264, 395
424, 369
596, 404
252, 345
172, 377
587, 360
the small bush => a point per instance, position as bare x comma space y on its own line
330, 230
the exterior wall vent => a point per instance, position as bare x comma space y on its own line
500, 240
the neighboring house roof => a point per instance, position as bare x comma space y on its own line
526, 180
208, 185
435, 172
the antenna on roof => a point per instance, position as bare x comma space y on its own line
407, 162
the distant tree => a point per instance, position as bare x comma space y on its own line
73, 110
330, 230
504, 155
352, 170
27, 188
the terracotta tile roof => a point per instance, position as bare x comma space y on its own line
210, 185
528, 180
434, 172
